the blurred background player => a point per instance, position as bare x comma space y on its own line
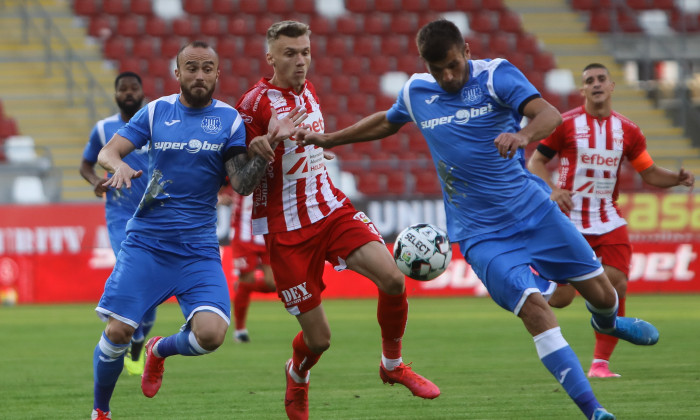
250, 258
592, 143
307, 221
469, 112
121, 204
171, 248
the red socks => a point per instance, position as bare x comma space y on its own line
392, 313
303, 358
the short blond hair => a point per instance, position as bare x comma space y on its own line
290, 28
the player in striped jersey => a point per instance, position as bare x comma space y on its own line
592, 142
307, 221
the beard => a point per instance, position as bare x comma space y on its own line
198, 100
129, 108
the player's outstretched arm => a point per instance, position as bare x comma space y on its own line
110, 158
373, 127
544, 118
664, 178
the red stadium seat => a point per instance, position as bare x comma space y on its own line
156, 26
131, 64
342, 84
368, 83
151, 86
100, 26
227, 46
640, 4
252, 7
394, 45
320, 25
140, 7
224, 7
184, 27
230, 85
519, 60
415, 6
160, 67
360, 103
574, 99
387, 6
244, 66
365, 147
467, 5
394, 144
376, 24
330, 105
383, 102
369, 183
404, 23
169, 46
544, 62
527, 43
365, 45
86, 7
144, 47
130, 26
410, 64
501, 43
477, 47
442, 6
279, 6
355, 66
254, 46
587, 5
496, 5
115, 48
172, 85
510, 22
240, 25
359, 6
426, 182
338, 46
196, 7
8, 127
212, 26
348, 24
263, 23
305, 6
115, 7
396, 182
668, 5
325, 65
483, 22
555, 99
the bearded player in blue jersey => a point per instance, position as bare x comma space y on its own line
121, 204
469, 112
171, 248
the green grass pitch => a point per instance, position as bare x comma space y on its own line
480, 355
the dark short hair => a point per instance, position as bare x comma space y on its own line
127, 74
436, 38
193, 44
595, 66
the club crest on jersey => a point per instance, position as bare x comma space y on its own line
471, 95
211, 124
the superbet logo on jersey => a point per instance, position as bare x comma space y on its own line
607, 160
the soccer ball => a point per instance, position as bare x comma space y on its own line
422, 251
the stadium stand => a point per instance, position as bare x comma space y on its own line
364, 49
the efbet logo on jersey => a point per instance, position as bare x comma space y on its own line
211, 124
192, 146
461, 117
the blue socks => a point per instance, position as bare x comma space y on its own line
183, 343
107, 362
561, 361
603, 320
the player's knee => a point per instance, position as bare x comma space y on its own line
320, 345
394, 283
118, 332
210, 339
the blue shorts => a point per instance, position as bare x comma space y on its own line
546, 242
149, 271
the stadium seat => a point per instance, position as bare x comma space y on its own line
368, 83
172, 85
151, 86
483, 22
415, 6
555, 99
467, 5
383, 102
396, 182
639, 4
279, 6
477, 47
8, 127
160, 67
586, 5
501, 43
365, 45
212, 26
100, 26
169, 46
239, 25
156, 26
574, 99
130, 63
496, 5
115, 47
519, 60
325, 65
342, 84
394, 45
359, 6
227, 46
426, 182
527, 43
320, 25
196, 7
144, 47
244, 66
28, 189
441, 6
140, 7
376, 24
229, 86
668, 5
129, 26
404, 23
115, 7
184, 27
355, 66
263, 22
330, 105
224, 7
410, 64
360, 103
510, 22
305, 6
255, 46
348, 24
86, 7
369, 183
338, 46
387, 6
394, 144
543, 62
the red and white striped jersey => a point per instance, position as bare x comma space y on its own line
241, 222
590, 155
296, 191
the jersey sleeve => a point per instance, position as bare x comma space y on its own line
512, 87
138, 129
256, 121
93, 146
398, 113
238, 133
637, 143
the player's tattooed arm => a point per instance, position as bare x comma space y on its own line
245, 173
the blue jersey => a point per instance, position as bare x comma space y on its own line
186, 166
482, 191
120, 204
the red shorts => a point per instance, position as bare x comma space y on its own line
613, 248
299, 256
247, 256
